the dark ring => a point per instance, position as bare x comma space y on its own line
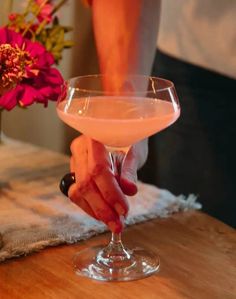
67, 180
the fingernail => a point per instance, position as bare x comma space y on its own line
119, 209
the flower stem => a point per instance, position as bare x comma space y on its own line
34, 17
41, 26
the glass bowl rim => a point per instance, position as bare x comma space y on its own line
69, 83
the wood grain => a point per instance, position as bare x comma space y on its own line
198, 260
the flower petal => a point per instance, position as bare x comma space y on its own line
10, 99
28, 95
42, 82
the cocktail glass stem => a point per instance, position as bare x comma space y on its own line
114, 255
116, 118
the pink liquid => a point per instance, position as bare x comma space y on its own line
118, 121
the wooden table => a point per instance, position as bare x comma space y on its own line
198, 260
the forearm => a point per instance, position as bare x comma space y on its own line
125, 34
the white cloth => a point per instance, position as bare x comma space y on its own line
30, 222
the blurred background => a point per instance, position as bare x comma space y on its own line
187, 28
197, 154
39, 125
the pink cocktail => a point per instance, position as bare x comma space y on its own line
118, 119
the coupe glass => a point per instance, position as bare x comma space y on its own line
118, 118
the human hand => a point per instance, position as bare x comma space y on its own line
97, 191
128, 166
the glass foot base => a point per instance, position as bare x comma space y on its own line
141, 264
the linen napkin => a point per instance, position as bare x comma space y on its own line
34, 214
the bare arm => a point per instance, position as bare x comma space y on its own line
126, 35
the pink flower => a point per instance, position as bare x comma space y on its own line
26, 75
46, 8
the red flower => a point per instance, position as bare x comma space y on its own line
26, 75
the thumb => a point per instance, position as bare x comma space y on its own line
128, 175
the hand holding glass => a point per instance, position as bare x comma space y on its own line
118, 119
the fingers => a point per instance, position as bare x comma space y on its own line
128, 176
97, 156
111, 192
89, 199
134, 160
72, 164
79, 160
101, 209
104, 178
96, 190
76, 198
